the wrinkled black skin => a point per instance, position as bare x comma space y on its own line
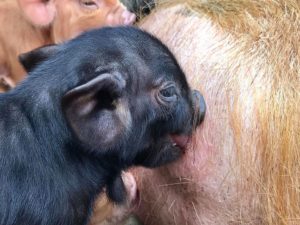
48, 176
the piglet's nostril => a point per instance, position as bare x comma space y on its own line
199, 106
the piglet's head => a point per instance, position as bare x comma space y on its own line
83, 15
69, 18
131, 101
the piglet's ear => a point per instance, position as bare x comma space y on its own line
31, 59
92, 111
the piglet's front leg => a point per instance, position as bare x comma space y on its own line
121, 212
108, 213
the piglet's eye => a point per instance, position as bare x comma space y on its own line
168, 93
89, 4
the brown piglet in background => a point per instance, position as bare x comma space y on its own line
28, 24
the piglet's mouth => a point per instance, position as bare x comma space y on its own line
180, 141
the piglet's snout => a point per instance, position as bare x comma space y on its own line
120, 16
199, 107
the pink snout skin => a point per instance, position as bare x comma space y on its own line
128, 17
120, 16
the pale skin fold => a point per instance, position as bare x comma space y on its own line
242, 166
